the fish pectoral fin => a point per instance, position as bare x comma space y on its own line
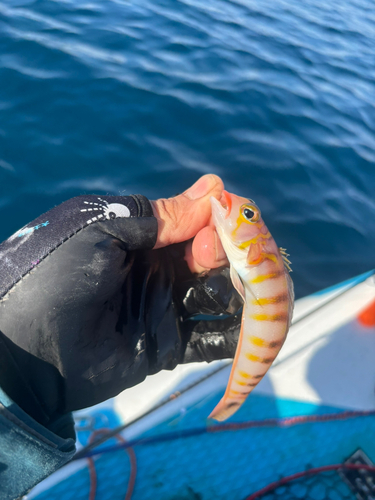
237, 282
254, 255
238, 285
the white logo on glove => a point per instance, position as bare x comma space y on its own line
108, 210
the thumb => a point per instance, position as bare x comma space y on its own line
182, 217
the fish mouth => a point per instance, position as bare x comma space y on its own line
222, 207
226, 202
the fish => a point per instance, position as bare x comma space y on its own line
259, 271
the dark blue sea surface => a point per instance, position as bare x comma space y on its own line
120, 97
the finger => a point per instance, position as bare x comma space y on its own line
207, 250
191, 262
182, 217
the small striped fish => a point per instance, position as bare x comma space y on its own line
260, 272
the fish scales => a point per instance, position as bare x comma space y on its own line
260, 273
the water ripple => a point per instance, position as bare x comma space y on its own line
121, 97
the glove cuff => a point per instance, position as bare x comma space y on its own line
143, 204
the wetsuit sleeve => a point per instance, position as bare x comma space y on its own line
130, 218
28, 451
54, 273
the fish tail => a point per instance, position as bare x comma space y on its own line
224, 410
227, 406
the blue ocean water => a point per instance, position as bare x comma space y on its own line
123, 96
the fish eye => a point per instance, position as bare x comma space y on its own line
250, 213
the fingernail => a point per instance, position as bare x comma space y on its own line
201, 187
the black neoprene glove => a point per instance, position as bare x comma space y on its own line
88, 309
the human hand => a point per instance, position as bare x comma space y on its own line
107, 295
188, 217
186, 230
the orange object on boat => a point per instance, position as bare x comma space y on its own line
367, 316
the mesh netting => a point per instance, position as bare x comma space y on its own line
183, 458
322, 486
354, 479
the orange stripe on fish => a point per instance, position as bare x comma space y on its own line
236, 393
240, 394
277, 299
257, 341
269, 317
245, 244
265, 343
247, 384
257, 359
248, 375
262, 257
269, 276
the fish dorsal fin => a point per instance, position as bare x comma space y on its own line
285, 256
237, 282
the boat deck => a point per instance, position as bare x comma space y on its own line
315, 408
